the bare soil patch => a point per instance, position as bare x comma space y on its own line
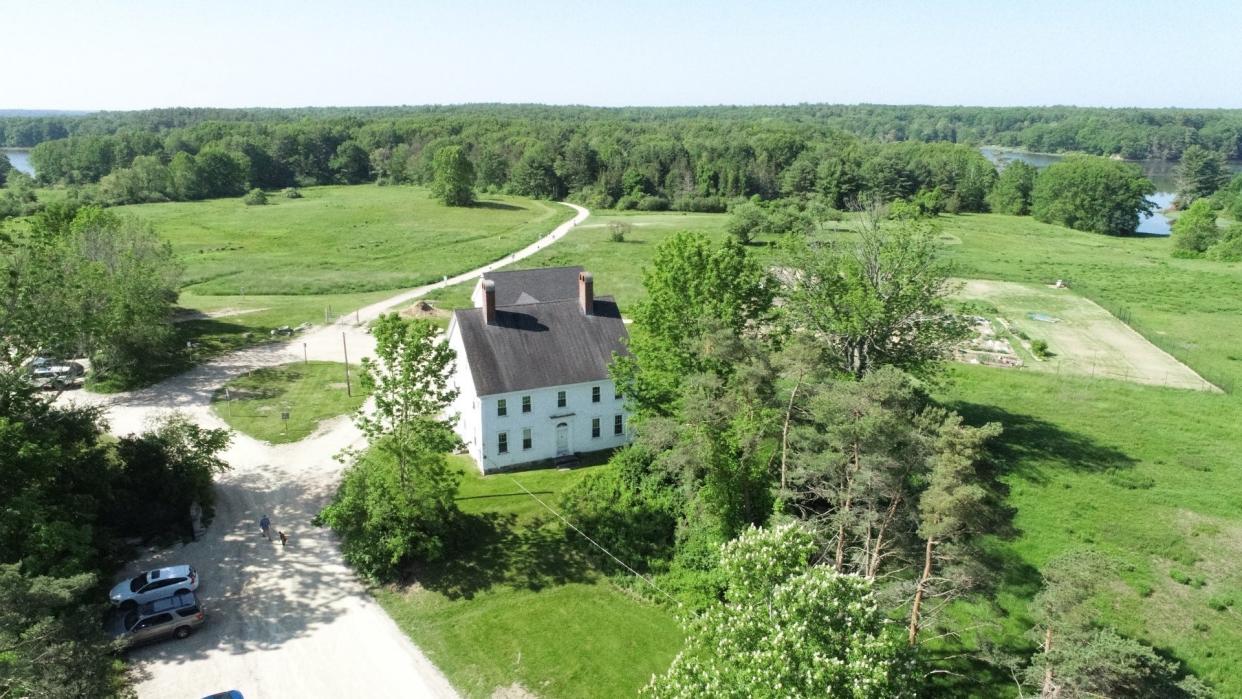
1084, 340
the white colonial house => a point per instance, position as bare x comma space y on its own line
532, 370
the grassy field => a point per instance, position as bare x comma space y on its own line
312, 393
1144, 474
523, 604
330, 252
617, 266
338, 240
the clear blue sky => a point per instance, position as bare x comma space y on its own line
130, 54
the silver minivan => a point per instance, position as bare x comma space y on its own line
177, 616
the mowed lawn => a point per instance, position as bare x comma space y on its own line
311, 393
523, 604
1150, 476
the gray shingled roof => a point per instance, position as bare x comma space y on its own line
535, 285
539, 345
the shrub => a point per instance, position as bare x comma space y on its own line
255, 197
1220, 603
634, 522
1229, 248
653, 204
382, 521
617, 231
291, 193
1179, 577
1040, 349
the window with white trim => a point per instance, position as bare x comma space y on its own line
526, 438
502, 443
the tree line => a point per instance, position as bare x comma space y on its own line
1129, 133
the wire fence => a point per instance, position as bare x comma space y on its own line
1141, 326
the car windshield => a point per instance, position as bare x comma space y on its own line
137, 583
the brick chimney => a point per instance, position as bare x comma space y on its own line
586, 293
489, 302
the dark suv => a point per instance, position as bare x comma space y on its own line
176, 616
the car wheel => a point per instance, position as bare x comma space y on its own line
128, 605
182, 631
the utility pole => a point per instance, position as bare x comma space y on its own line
348, 391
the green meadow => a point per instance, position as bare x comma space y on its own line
341, 239
522, 603
252, 269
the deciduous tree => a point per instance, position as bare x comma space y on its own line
453, 179
788, 628
874, 300
1012, 192
694, 289
1092, 194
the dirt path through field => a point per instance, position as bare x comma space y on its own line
282, 621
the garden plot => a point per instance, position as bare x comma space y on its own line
1082, 338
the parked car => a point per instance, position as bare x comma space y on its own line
154, 584
54, 374
176, 616
231, 694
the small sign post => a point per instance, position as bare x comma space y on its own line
284, 415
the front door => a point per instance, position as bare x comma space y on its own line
562, 439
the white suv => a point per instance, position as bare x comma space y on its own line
153, 585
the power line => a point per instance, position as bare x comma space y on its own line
594, 543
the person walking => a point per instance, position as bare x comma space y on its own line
264, 525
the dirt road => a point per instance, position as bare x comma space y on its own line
287, 621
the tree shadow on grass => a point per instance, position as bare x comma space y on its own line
498, 205
494, 549
1030, 444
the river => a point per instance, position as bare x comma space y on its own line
20, 159
1160, 172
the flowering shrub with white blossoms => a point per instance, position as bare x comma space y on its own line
789, 629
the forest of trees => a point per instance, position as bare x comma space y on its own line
697, 159
1130, 133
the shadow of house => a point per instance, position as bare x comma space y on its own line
498, 550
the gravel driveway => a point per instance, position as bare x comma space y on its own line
288, 621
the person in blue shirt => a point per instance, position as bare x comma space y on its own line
265, 524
